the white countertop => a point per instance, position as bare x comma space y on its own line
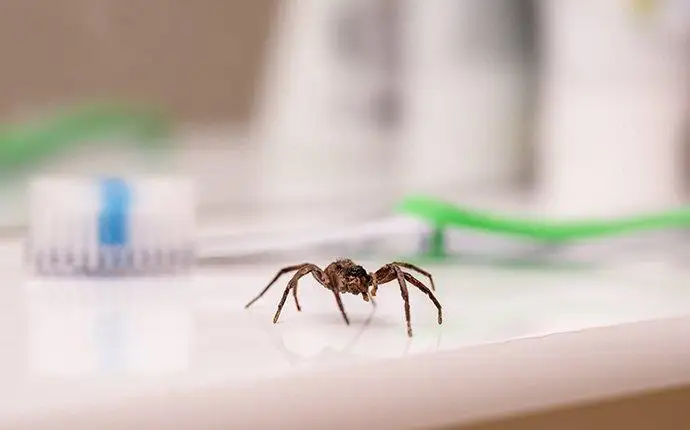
73, 350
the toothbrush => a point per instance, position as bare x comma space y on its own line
111, 226
442, 217
444, 214
429, 228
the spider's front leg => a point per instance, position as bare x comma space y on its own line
406, 297
392, 272
417, 283
417, 269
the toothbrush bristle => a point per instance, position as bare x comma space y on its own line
111, 226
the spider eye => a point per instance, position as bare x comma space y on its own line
356, 272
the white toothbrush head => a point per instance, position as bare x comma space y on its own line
111, 226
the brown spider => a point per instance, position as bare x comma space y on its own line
345, 276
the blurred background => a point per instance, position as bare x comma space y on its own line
333, 110
305, 113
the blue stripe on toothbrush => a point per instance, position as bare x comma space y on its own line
113, 219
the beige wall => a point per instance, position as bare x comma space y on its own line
201, 59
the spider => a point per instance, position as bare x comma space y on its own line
345, 276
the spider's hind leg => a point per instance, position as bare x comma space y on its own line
318, 278
292, 284
280, 273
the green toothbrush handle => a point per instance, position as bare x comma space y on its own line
443, 215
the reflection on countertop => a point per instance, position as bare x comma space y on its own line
88, 328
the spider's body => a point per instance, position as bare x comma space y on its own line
348, 277
345, 276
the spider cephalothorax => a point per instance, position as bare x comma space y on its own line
351, 278
345, 276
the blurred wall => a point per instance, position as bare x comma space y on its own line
201, 59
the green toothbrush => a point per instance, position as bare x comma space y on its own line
442, 215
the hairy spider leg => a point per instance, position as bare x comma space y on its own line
339, 301
417, 269
316, 276
391, 272
417, 283
280, 273
406, 297
382, 276
304, 270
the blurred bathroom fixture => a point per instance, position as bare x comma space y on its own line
667, 16
329, 105
613, 107
467, 91
28, 144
